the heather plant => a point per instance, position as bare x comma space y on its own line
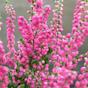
44, 58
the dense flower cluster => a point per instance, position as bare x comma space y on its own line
4, 81
45, 58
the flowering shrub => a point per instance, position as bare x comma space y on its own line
45, 58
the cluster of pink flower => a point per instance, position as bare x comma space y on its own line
45, 58
82, 76
4, 81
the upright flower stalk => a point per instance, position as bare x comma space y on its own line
45, 58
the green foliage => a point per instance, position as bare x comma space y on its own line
45, 58
50, 51
32, 69
12, 85
51, 65
18, 67
21, 40
23, 86
86, 0
34, 62
7, 1
10, 76
77, 57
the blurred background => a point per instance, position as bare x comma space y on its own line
21, 6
